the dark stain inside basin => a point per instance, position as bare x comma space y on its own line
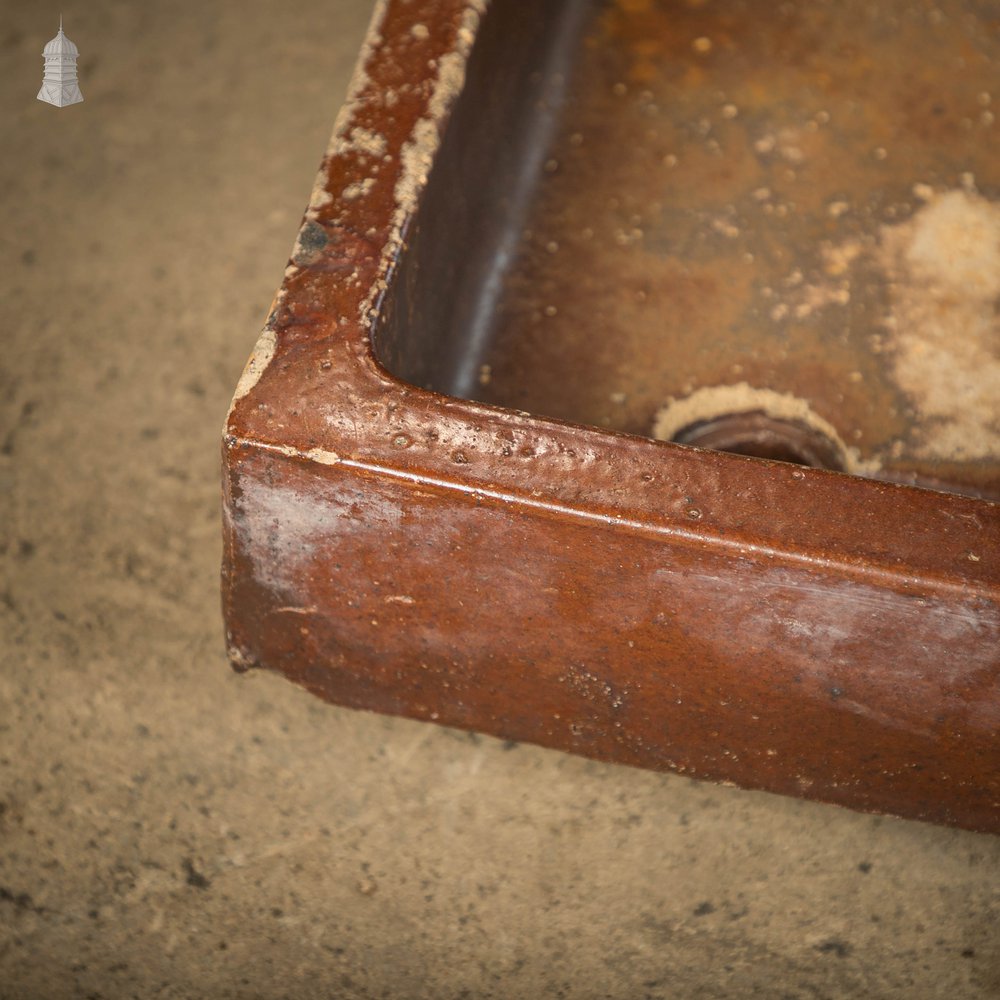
800, 200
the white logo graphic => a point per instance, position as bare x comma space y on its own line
59, 87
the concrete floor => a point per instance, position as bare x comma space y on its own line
169, 829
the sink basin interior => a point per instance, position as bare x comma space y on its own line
647, 217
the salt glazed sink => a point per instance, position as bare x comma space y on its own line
632, 390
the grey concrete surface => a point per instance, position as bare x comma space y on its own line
169, 829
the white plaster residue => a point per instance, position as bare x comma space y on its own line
280, 529
319, 197
417, 154
815, 631
240, 659
322, 456
943, 267
358, 140
255, 366
359, 80
358, 189
365, 140
340, 141
956, 245
714, 401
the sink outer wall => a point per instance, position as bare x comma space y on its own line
394, 549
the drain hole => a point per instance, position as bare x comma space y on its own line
760, 436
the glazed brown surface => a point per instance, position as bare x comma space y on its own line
394, 548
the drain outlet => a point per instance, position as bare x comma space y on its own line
761, 436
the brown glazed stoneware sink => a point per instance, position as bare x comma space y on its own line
633, 389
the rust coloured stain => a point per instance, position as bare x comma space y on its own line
721, 205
